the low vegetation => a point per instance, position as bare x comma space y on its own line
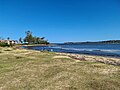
2, 44
35, 70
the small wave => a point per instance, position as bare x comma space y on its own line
77, 49
97, 50
55, 47
110, 50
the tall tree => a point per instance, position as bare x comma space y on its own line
29, 37
34, 40
8, 38
20, 40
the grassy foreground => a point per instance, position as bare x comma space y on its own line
34, 70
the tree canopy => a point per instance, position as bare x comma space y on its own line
30, 39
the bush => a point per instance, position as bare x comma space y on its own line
4, 45
44, 42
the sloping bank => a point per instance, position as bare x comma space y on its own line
91, 58
22, 69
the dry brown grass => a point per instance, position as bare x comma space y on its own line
34, 70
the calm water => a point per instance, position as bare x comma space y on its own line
92, 49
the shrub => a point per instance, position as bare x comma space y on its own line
43, 42
4, 44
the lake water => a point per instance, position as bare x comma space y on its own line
91, 49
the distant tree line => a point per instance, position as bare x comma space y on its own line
30, 39
99, 42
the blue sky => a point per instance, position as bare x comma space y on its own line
61, 20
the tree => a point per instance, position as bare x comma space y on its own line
28, 33
38, 40
34, 40
8, 38
42, 38
20, 40
29, 37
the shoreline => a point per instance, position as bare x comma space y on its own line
39, 45
92, 58
85, 52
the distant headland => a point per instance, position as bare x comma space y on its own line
98, 42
